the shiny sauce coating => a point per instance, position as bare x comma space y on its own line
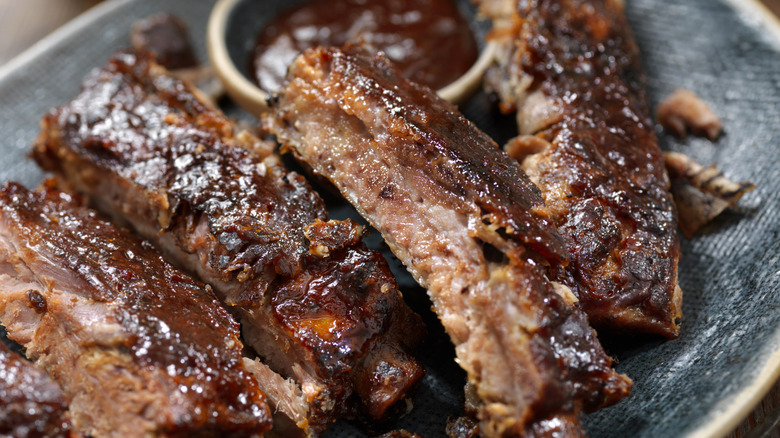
429, 41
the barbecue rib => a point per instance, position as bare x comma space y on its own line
683, 111
314, 302
138, 347
700, 193
466, 222
571, 70
32, 404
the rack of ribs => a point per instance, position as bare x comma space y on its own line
33, 405
139, 348
466, 222
319, 308
571, 71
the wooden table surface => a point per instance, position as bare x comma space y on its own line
23, 22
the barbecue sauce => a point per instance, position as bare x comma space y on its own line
429, 41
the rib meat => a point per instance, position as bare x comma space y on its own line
468, 225
33, 404
167, 37
139, 348
571, 71
684, 111
700, 193
314, 302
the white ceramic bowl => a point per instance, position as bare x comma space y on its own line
232, 30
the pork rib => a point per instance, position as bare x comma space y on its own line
314, 302
139, 348
700, 193
33, 404
468, 225
571, 71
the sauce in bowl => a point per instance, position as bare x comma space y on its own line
429, 41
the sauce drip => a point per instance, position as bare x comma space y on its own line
429, 41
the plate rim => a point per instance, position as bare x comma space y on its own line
760, 13
745, 401
718, 422
747, 398
72, 27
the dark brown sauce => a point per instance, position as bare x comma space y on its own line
429, 41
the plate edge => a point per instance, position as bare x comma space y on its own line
746, 400
759, 12
723, 423
62, 33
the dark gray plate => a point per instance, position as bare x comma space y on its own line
701, 384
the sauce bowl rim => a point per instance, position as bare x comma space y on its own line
253, 99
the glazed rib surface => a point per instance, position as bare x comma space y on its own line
139, 348
33, 405
571, 71
317, 306
468, 225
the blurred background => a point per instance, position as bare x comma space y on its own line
23, 22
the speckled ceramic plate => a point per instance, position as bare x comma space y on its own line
727, 356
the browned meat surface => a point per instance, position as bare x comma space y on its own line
139, 348
466, 222
400, 434
314, 302
166, 36
462, 427
209, 87
700, 193
684, 111
571, 71
32, 404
